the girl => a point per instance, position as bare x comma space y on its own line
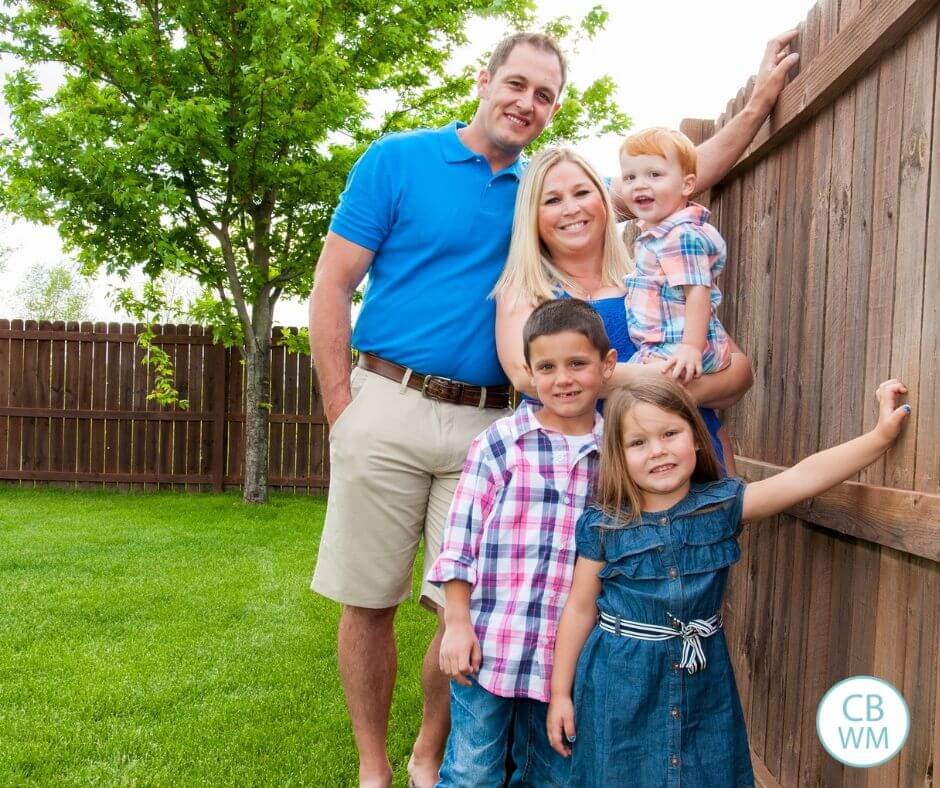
655, 701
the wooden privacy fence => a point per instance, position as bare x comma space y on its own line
832, 219
74, 409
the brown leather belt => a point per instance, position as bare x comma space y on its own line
437, 387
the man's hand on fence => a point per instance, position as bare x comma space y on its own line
772, 73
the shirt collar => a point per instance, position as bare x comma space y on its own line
455, 151
693, 213
524, 421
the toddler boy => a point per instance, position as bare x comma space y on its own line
672, 296
508, 552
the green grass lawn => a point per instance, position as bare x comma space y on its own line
164, 638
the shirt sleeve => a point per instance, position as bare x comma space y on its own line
684, 257
463, 530
588, 535
366, 206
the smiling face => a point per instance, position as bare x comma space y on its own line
654, 187
567, 373
519, 99
572, 215
660, 453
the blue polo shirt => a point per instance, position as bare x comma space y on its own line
439, 222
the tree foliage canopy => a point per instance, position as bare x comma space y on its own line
213, 139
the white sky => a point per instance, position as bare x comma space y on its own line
679, 59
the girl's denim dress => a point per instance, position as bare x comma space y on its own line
642, 719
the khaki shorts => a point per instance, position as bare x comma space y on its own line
395, 459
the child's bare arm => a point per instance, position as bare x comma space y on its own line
686, 360
824, 470
460, 649
577, 621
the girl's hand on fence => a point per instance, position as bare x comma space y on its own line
460, 653
890, 416
560, 724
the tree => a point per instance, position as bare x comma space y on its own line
54, 292
213, 139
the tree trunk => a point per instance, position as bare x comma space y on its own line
257, 407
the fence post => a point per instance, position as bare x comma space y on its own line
219, 449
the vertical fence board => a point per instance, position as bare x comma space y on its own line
140, 429
56, 398
152, 442
302, 468
234, 391
197, 403
214, 447
98, 392
816, 655
14, 437
5, 364
276, 399
43, 399
181, 428
112, 400
915, 764
71, 400
29, 398
289, 445
917, 118
927, 417
125, 436
884, 238
167, 427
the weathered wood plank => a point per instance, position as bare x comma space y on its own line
29, 396
196, 381
927, 458
884, 239
873, 33
181, 382
916, 135
5, 369
904, 520
125, 401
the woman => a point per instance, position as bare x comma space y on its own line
565, 244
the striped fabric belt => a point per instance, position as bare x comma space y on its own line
691, 632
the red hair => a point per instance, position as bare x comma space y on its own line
659, 141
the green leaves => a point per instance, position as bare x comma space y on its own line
213, 140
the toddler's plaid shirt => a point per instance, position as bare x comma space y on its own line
683, 249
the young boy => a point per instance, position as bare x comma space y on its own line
508, 552
671, 296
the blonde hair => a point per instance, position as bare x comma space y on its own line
660, 141
530, 273
617, 493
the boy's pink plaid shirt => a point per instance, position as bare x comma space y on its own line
510, 535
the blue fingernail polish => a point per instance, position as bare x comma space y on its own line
907, 408
571, 739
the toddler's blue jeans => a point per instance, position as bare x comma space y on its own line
479, 736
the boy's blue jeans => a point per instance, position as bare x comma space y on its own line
479, 735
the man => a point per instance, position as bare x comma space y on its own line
428, 215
